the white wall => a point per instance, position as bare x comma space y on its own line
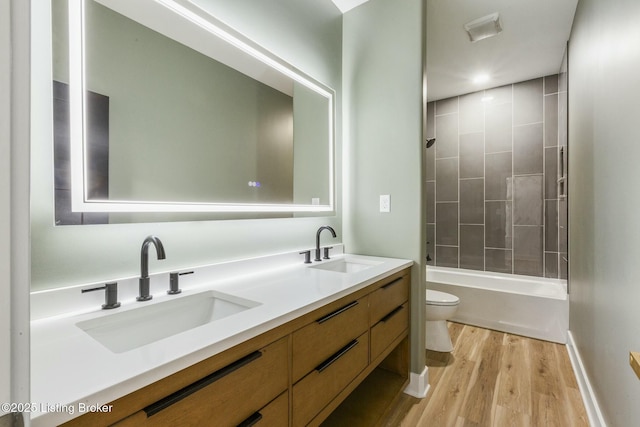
5, 205
382, 81
604, 201
306, 34
14, 202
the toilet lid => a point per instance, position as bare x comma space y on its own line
441, 298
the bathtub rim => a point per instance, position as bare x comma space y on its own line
559, 294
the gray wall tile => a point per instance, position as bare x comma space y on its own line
551, 172
471, 113
550, 120
527, 250
562, 225
472, 247
527, 200
472, 155
562, 82
527, 149
431, 202
430, 159
551, 84
551, 226
498, 260
431, 243
446, 136
447, 180
498, 225
447, 224
564, 266
498, 128
472, 201
562, 119
490, 171
431, 120
498, 176
499, 95
447, 106
527, 102
551, 265
447, 256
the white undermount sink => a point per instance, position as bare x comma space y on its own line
124, 331
346, 265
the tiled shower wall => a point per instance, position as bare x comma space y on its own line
493, 185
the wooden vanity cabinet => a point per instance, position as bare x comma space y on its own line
317, 389
330, 332
228, 396
389, 314
223, 390
386, 325
294, 375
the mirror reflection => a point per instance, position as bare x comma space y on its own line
169, 127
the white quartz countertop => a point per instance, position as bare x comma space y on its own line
71, 371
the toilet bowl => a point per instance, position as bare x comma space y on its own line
440, 307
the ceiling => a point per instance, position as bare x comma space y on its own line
531, 44
346, 5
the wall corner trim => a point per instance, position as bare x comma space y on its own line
418, 384
588, 396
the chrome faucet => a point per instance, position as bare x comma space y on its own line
144, 265
325, 227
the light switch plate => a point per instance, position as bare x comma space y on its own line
385, 203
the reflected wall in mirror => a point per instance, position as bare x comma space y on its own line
197, 118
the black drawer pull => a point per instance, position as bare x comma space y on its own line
392, 313
164, 403
252, 420
338, 311
392, 283
324, 365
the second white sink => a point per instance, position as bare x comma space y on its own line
346, 265
124, 331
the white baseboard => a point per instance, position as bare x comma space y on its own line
588, 396
418, 384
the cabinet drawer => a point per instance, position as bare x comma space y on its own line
388, 297
319, 340
275, 413
388, 329
229, 395
317, 389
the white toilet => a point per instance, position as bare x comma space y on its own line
440, 307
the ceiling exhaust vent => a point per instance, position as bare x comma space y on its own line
483, 28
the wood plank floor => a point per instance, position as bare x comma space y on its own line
495, 379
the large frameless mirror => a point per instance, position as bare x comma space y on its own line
170, 110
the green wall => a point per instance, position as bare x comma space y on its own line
382, 81
306, 34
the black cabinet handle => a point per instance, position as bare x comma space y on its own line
324, 365
252, 420
392, 313
392, 283
338, 311
164, 403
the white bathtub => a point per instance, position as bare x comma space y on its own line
531, 306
